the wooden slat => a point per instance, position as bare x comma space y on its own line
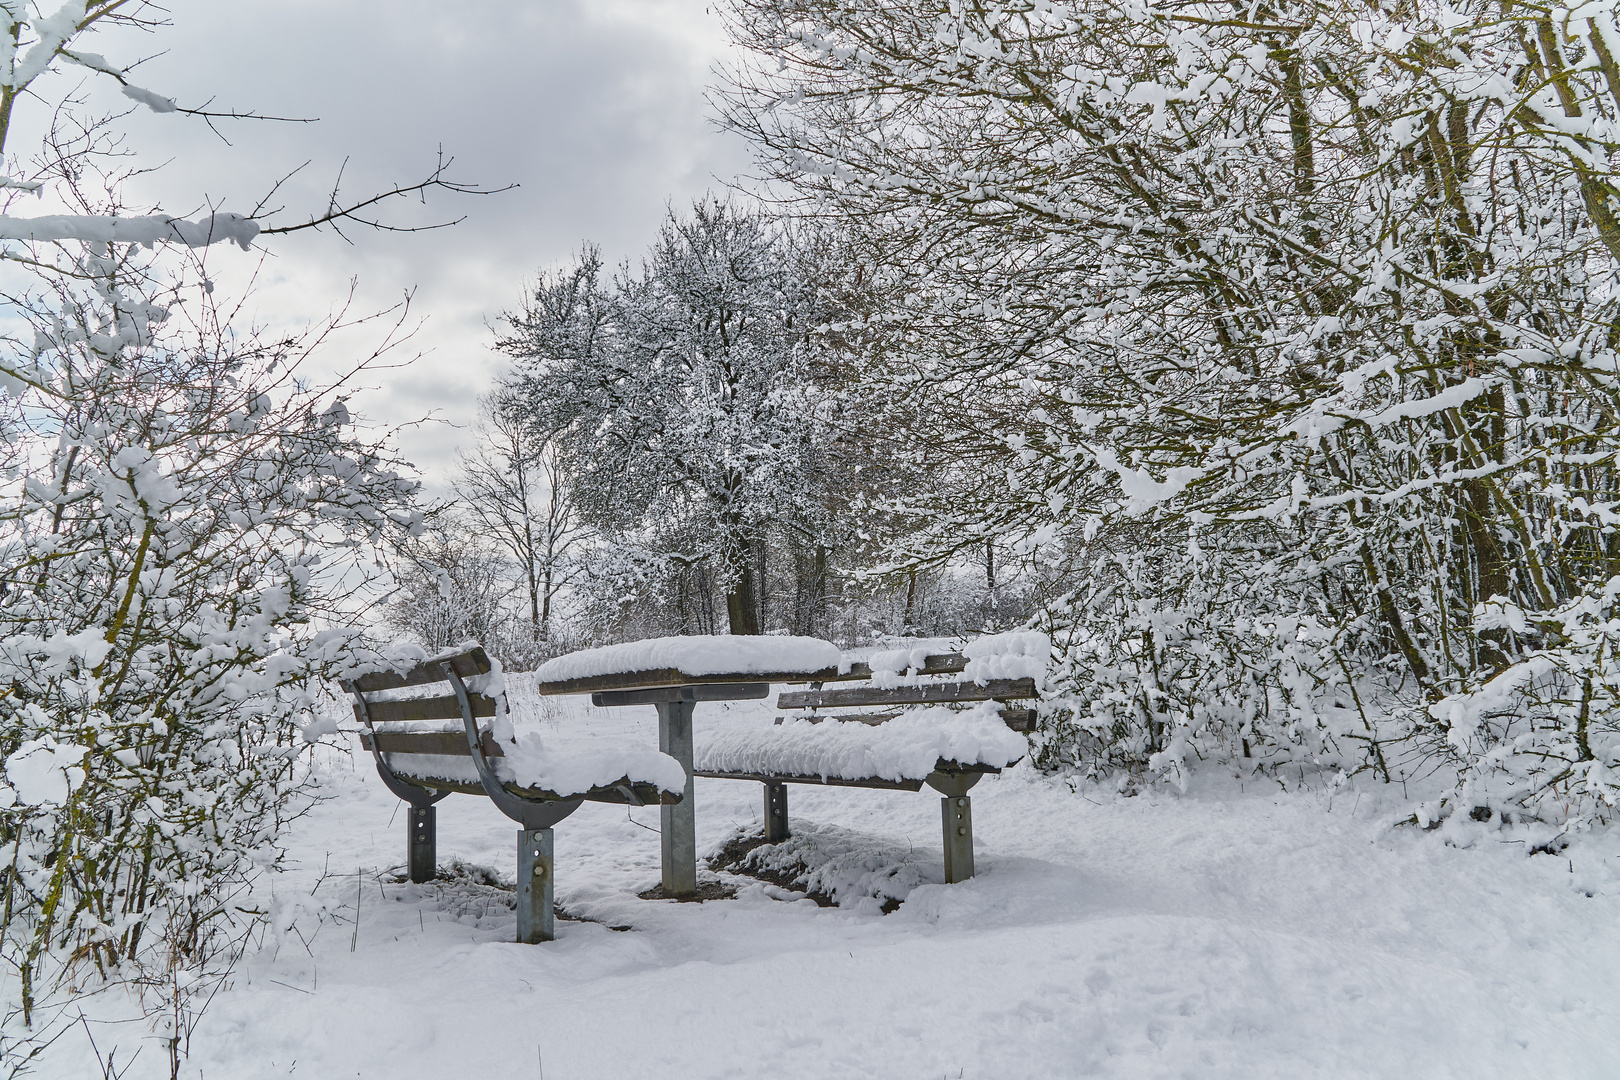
1017, 719
869, 719
661, 677
778, 778
444, 743
433, 708
648, 794
927, 694
605, 699
939, 664
867, 782
467, 664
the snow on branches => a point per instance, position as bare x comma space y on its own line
1290, 331
176, 511
185, 512
689, 400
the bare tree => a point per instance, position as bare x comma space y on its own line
520, 500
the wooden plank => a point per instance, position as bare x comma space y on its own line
661, 695
927, 694
1019, 719
777, 778
445, 743
433, 708
937, 664
648, 794
1016, 719
662, 677
467, 664
867, 782
940, 664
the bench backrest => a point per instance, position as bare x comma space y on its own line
922, 693
371, 713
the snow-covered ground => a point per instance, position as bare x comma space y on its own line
1235, 931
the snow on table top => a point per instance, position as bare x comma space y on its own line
554, 762
905, 748
696, 656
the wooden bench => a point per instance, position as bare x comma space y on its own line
920, 686
423, 766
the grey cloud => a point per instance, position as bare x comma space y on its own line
596, 111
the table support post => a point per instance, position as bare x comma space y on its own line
678, 836
956, 814
776, 814
420, 849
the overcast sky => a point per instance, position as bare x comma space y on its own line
594, 107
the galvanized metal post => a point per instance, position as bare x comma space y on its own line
776, 816
678, 838
421, 848
957, 814
536, 919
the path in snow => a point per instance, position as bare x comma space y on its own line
1225, 933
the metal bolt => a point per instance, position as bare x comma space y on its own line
539, 869
961, 802
961, 830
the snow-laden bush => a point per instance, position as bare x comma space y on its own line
174, 521
1542, 739
1329, 288
182, 504
1170, 657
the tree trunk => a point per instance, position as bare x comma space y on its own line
818, 593
543, 620
908, 626
742, 605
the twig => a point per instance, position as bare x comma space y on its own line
359, 884
338, 212
290, 986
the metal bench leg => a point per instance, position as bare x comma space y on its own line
678, 823
536, 917
957, 814
776, 816
421, 846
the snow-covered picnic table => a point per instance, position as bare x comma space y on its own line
674, 674
902, 748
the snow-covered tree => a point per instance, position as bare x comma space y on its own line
1288, 330
687, 398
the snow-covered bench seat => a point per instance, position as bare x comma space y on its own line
914, 738
900, 753
535, 781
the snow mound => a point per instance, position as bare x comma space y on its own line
905, 748
568, 766
696, 656
850, 868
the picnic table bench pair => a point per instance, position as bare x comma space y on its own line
423, 766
